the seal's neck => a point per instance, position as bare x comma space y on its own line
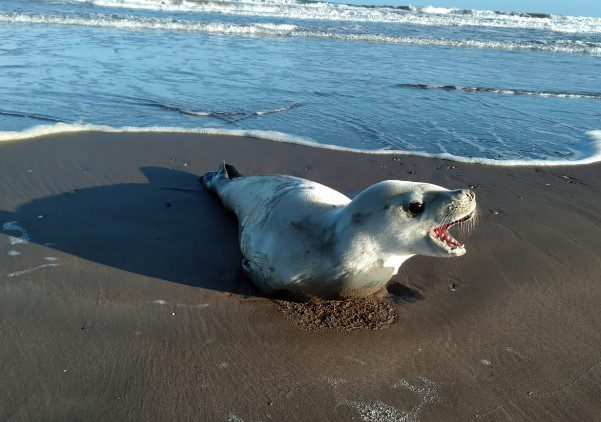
362, 245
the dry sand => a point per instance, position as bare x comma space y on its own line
121, 296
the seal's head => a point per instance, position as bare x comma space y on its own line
408, 218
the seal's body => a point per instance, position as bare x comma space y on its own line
306, 238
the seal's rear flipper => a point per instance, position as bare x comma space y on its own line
232, 172
225, 172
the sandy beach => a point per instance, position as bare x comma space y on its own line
122, 297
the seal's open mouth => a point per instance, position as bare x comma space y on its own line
441, 236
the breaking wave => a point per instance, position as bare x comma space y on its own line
157, 24
289, 30
505, 91
593, 157
308, 10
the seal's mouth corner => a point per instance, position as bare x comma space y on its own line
441, 237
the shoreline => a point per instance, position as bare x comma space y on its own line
71, 128
126, 298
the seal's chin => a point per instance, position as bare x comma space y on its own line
442, 239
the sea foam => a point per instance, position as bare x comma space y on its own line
505, 91
290, 30
429, 15
593, 156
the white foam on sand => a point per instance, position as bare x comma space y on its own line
379, 411
234, 418
592, 156
30, 270
14, 226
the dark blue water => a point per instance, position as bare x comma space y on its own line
468, 83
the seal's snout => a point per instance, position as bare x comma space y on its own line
462, 208
469, 194
465, 196
463, 201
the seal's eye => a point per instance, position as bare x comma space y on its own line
416, 208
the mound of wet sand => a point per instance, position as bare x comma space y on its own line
340, 315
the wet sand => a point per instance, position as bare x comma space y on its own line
121, 295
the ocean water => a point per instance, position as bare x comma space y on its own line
497, 87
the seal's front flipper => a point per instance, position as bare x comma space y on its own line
246, 266
256, 277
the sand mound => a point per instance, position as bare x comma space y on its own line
340, 315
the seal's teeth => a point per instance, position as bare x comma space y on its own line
440, 233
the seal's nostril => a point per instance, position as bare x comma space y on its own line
470, 194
